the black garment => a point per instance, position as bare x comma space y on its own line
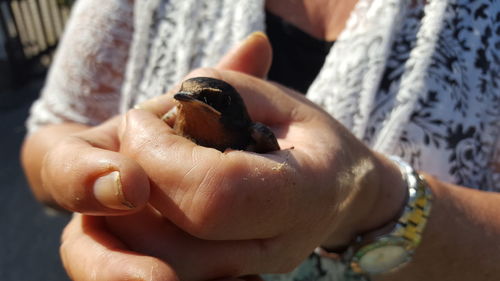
297, 56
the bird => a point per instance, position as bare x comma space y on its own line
211, 113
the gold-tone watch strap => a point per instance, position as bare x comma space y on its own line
414, 219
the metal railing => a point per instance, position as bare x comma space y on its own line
31, 30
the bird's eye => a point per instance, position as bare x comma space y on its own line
216, 98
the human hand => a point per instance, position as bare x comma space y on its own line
90, 252
274, 208
85, 173
73, 164
88, 249
289, 219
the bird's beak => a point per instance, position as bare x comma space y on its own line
187, 99
184, 97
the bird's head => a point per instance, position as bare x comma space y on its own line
212, 113
214, 97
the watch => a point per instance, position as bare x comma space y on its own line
393, 245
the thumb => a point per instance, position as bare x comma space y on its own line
253, 56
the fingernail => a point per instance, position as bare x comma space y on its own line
256, 34
108, 191
252, 36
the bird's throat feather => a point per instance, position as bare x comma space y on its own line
203, 126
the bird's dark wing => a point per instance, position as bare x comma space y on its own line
264, 139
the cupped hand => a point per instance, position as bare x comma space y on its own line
255, 213
84, 172
236, 213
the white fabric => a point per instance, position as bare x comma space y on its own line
86, 76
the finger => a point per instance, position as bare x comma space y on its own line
195, 187
253, 56
84, 174
211, 259
90, 253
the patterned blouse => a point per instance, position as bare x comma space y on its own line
418, 79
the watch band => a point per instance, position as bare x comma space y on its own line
416, 211
394, 244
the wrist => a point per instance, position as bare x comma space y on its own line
392, 245
380, 200
391, 196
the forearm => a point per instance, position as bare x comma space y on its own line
461, 240
35, 147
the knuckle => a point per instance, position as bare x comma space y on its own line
139, 137
135, 147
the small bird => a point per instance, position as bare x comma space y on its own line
212, 113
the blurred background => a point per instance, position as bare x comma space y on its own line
29, 234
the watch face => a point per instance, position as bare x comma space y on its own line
382, 255
383, 259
